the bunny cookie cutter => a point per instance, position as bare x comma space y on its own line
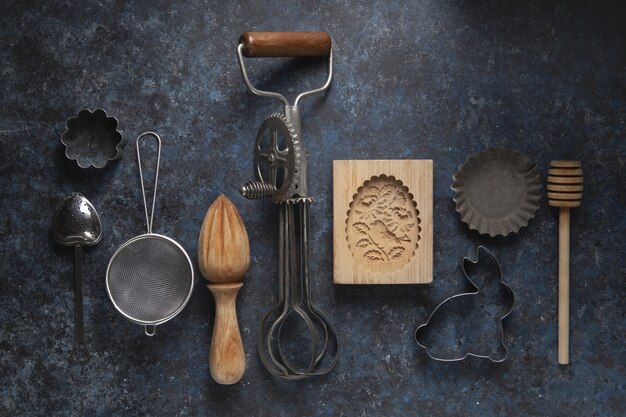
510, 300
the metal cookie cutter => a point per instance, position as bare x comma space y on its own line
296, 340
466, 263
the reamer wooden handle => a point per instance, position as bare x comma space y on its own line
227, 360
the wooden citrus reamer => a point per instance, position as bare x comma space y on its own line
224, 258
565, 186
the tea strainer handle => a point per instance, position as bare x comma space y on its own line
156, 180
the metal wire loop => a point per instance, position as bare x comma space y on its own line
156, 178
279, 96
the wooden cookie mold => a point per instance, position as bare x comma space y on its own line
382, 221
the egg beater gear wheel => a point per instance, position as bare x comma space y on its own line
279, 156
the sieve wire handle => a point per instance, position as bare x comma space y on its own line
150, 332
156, 178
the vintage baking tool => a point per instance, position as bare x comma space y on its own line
496, 192
459, 352
77, 224
92, 139
383, 227
150, 277
224, 258
296, 339
565, 191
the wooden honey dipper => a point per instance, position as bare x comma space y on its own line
565, 190
224, 258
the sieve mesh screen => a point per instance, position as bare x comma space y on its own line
149, 278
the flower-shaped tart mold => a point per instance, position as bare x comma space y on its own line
92, 139
496, 192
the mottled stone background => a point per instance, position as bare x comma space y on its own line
437, 79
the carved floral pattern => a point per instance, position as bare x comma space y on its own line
382, 227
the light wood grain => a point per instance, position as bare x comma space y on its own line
565, 184
565, 164
571, 172
564, 191
564, 187
227, 360
394, 246
223, 246
565, 196
224, 258
563, 352
564, 180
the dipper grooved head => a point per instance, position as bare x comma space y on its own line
565, 184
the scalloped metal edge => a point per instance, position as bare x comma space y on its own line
510, 296
118, 147
500, 230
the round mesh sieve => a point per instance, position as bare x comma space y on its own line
149, 279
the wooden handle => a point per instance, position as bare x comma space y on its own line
227, 360
564, 285
285, 44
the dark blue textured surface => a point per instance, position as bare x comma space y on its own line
433, 79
